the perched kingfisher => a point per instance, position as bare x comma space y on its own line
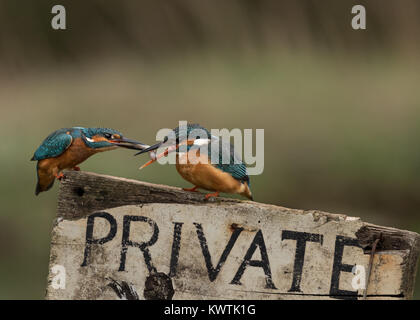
68, 147
231, 177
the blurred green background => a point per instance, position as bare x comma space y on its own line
340, 107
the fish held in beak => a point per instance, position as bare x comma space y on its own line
154, 156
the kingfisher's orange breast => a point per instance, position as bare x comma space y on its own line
205, 175
74, 155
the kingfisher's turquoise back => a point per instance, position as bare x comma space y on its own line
55, 144
58, 141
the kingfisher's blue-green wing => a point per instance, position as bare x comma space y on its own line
236, 168
238, 171
54, 145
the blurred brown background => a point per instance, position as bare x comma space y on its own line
340, 107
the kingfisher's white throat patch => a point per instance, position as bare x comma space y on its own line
201, 142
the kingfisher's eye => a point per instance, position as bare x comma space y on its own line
107, 135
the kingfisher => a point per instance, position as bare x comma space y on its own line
68, 147
216, 176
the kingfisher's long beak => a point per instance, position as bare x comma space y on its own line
149, 148
129, 143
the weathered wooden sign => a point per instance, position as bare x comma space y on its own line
121, 239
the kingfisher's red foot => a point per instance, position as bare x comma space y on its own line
191, 189
59, 176
76, 168
209, 195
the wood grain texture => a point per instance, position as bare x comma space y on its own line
82, 194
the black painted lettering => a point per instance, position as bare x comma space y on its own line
263, 263
301, 239
339, 266
176, 243
89, 233
143, 246
213, 272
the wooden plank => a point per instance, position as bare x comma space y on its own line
117, 238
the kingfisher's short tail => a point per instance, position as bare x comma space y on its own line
247, 193
41, 188
44, 182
